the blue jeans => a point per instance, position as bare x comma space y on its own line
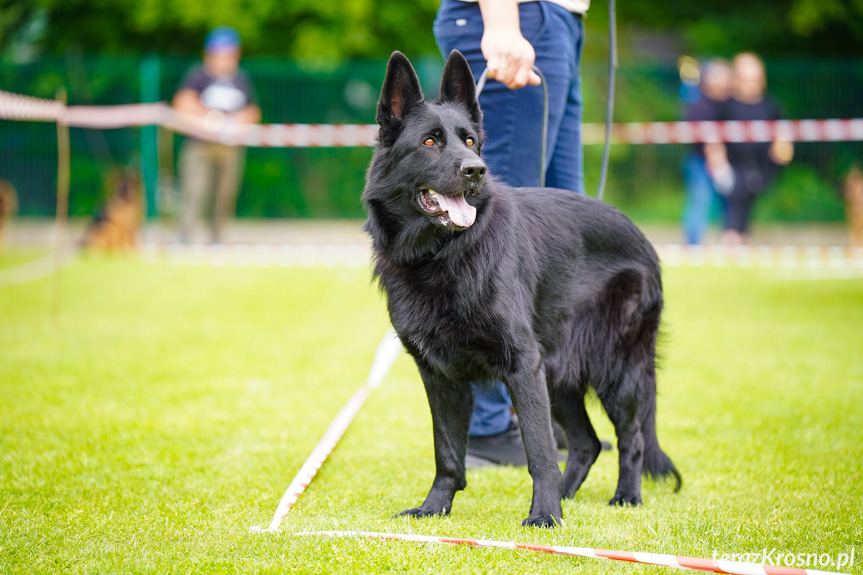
700, 195
513, 127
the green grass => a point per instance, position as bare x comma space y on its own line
17, 257
167, 408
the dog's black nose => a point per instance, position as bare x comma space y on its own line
473, 169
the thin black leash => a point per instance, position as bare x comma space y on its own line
609, 110
481, 84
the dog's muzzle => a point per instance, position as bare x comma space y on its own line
473, 171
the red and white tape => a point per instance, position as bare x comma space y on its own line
660, 559
386, 354
26, 108
805, 257
829, 130
213, 129
763, 256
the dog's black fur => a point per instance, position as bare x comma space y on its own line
547, 290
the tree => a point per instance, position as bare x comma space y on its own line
297, 29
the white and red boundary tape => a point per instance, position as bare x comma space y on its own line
357, 255
386, 354
388, 351
660, 559
26, 108
763, 256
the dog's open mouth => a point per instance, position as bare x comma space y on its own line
452, 211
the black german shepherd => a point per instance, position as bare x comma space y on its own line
546, 290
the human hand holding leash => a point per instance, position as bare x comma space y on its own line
509, 55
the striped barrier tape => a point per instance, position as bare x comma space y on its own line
764, 256
386, 354
659, 559
388, 351
218, 129
357, 255
829, 130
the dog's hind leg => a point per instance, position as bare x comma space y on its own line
530, 399
451, 407
567, 406
621, 405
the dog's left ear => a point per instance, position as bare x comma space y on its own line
401, 92
457, 85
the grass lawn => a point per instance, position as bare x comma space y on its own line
167, 409
12, 258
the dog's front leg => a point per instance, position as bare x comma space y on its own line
530, 399
451, 407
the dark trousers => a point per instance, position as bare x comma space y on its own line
214, 171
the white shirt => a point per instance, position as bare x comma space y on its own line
574, 6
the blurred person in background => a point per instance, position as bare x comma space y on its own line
218, 92
508, 37
742, 171
700, 191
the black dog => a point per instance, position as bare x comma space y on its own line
546, 290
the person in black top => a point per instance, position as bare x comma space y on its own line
700, 190
218, 92
753, 165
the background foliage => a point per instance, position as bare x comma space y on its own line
372, 28
323, 62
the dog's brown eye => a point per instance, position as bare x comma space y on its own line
469, 142
429, 141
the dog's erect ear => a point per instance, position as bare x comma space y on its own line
457, 85
400, 93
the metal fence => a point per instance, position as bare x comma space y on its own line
645, 180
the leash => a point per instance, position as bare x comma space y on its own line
543, 146
609, 106
609, 110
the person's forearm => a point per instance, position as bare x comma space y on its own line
251, 114
500, 14
509, 56
188, 101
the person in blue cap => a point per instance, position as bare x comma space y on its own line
218, 91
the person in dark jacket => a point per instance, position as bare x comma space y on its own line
752, 165
218, 92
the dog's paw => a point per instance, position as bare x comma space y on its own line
420, 512
625, 500
542, 521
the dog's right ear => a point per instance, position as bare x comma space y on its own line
457, 85
400, 93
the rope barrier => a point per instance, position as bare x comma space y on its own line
25, 108
357, 255
388, 351
660, 559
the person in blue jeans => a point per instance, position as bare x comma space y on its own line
509, 37
701, 190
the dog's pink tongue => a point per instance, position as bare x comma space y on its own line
460, 212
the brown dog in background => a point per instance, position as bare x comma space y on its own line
8, 205
115, 228
853, 192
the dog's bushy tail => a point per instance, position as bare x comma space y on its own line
656, 463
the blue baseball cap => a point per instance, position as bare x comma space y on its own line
221, 38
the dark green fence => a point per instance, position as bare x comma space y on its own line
645, 181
